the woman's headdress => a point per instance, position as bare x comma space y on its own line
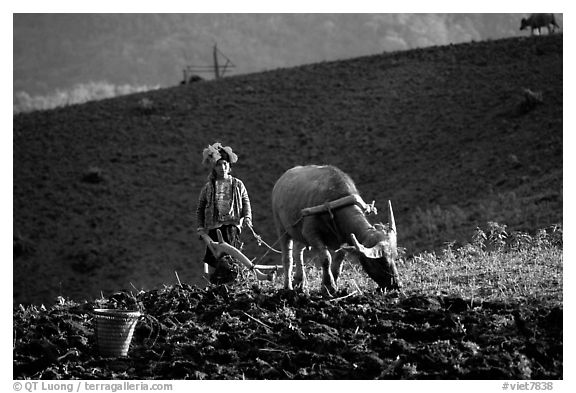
215, 152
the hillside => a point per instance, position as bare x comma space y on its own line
105, 192
152, 49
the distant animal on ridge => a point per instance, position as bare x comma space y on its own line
192, 79
537, 21
320, 207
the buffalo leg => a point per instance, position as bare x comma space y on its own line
328, 284
312, 236
300, 275
287, 244
337, 264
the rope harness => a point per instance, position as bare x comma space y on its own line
260, 241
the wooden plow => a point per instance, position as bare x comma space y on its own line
219, 248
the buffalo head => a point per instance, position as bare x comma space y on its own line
379, 252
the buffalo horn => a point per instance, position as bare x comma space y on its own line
391, 217
374, 252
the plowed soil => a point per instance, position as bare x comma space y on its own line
248, 333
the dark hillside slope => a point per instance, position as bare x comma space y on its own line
105, 192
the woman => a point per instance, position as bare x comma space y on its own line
223, 203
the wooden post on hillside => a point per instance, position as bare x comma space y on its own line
216, 67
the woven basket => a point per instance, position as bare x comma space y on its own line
114, 329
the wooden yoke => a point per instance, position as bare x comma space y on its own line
346, 201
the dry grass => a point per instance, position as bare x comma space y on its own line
496, 267
503, 275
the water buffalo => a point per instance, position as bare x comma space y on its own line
537, 21
320, 207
